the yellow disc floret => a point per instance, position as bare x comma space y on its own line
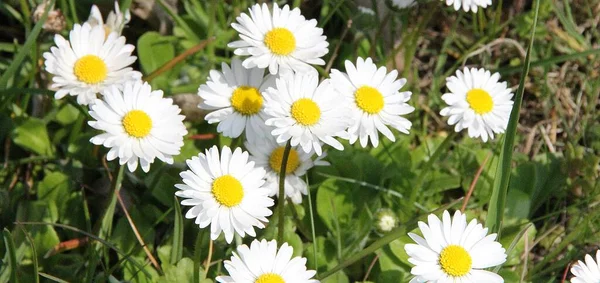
227, 190
137, 123
369, 99
246, 100
90, 69
455, 261
276, 159
480, 101
269, 278
280, 41
306, 112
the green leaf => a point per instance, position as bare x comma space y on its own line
182, 272
12, 256
498, 199
32, 135
67, 114
539, 180
154, 50
334, 199
177, 249
44, 237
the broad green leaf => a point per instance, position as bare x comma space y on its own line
334, 199
44, 237
67, 114
154, 50
32, 135
182, 272
539, 179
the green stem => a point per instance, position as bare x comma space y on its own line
197, 257
312, 223
388, 238
73, 11
107, 219
281, 197
436, 155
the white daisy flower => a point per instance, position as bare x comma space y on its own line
478, 102
115, 22
376, 101
452, 251
235, 95
138, 124
401, 4
87, 64
467, 5
588, 271
306, 112
225, 191
281, 41
264, 263
269, 155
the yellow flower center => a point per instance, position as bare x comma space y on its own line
137, 123
306, 111
455, 261
269, 278
480, 101
90, 69
227, 190
369, 99
246, 100
276, 160
280, 41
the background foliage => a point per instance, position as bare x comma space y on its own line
54, 184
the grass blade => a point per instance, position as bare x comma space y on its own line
26, 49
12, 255
34, 257
177, 249
500, 189
92, 236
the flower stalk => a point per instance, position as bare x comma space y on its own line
281, 198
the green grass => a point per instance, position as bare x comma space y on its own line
540, 188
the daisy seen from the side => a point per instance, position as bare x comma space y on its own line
588, 271
468, 5
267, 153
451, 250
234, 95
87, 64
138, 125
478, 102
263, 262
281, 40
375, 101
225, 191
115, 22
306, 112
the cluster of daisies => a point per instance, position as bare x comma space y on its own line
271, 99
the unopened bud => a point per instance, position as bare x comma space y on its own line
386, 220
55, 22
